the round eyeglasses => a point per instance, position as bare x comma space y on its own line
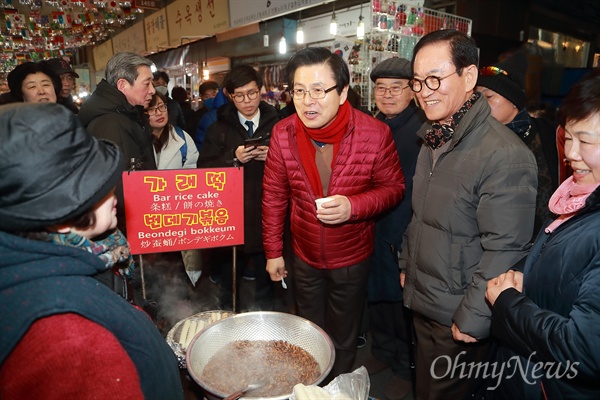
432, 82
239, 97
315, 93
157, 109
394, 90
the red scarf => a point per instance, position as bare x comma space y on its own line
331, 134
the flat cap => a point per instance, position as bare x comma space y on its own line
392, 68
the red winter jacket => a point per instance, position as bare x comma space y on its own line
366, 170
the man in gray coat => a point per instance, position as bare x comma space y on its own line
473, 210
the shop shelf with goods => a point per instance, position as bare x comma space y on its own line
395, 29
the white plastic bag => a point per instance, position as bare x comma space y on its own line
352, 386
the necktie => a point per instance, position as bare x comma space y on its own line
250, 125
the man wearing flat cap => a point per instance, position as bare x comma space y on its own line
63, 69
388, 319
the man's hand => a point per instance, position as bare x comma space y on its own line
245, 154
276, 268
335, 211
261, 153
402, 278
495, 286
462, 337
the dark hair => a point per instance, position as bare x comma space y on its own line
163, 139
240, 76
582, 100
20, 72
208, 85
463, 48
319, 55
179, 94
163, 75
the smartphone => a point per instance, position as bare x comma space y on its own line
252, 142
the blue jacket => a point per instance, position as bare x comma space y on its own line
558, 314
209, 118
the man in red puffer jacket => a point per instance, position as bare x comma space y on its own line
327, 149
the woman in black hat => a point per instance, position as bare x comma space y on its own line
503, 85
64, 333
34, 83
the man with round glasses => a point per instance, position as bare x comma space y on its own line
327, 149
240, 137
389, 321
473, 209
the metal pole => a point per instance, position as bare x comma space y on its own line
234, 279
142, 275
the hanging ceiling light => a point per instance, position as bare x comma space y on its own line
205, 71
360, 28
333, 24
266, 37
299, 31
282, 46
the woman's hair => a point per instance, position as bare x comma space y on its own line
163, 139
180, 95
582, 100
16, 77
319, 56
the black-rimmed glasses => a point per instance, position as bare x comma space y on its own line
157, 109
315, 93
239, 97
432, 82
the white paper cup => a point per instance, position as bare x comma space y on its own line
319, 202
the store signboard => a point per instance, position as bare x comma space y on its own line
131, 39
187, 19
157, 34
171, 210
102, 53
244, 12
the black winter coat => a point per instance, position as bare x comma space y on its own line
217, 151
384, 275
108, 115
557, 317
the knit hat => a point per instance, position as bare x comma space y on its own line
52, 169
392, 68
61, 66
510, 87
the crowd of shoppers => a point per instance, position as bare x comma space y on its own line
429, 216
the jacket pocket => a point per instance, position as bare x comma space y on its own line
456, 270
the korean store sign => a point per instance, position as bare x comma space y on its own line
172, 210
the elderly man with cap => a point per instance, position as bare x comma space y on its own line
65, 335
502, 85
389, 321
67, 76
